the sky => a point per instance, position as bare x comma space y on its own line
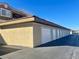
62, 12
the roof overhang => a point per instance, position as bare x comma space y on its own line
32, 19
16, 21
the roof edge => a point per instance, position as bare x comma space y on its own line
20, 20
43, 21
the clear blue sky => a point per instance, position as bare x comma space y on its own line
62, 12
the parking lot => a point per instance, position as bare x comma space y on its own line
63, 48
6, 50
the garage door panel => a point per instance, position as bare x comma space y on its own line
54, 34
45, 35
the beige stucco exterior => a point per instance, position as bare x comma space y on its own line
36, 34
27, 30
17, 34
25, 33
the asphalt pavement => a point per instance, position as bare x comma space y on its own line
63, 48
58, 52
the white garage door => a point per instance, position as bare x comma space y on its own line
58, 36
54, 34
45, 35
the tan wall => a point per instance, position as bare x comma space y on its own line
36, 34
24, 34
19, 34
1, 38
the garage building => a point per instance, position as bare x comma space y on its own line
20, 29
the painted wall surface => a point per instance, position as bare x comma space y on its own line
45, 34
19, 34
1, 39
36, 34
30, 34
41, 36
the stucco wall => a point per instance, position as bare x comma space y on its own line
1, 38
18, 34
37, 33
27, 34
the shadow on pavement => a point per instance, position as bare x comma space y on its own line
6, 50
71, 40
